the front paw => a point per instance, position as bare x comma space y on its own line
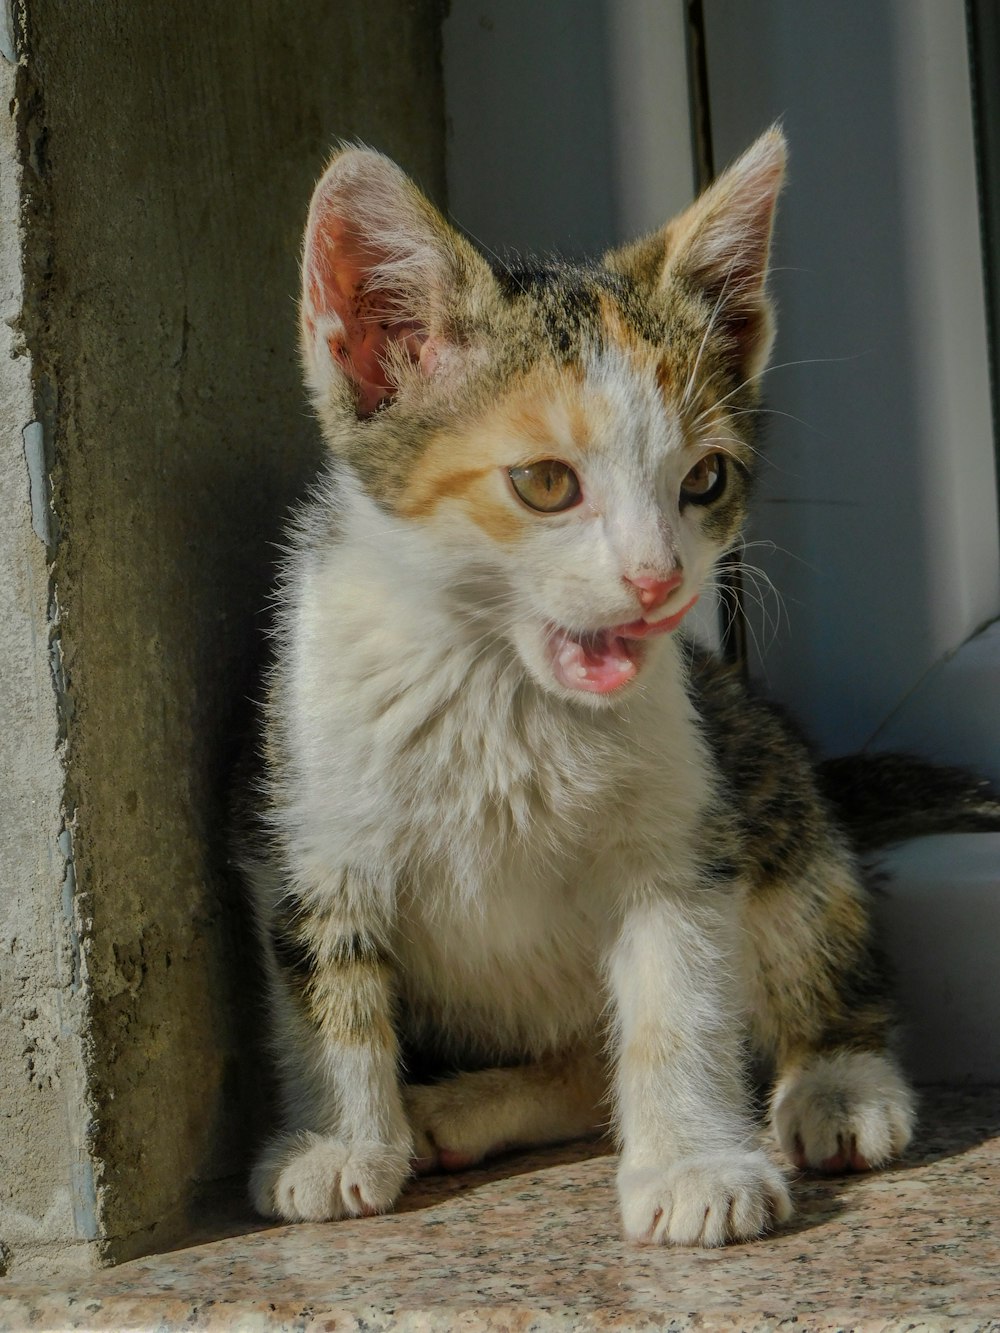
308, 1177
707, 1200
849, 1111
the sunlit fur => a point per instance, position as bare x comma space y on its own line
583, 900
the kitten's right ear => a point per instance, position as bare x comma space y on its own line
720, 248
380, 272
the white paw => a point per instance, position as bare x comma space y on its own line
451, 1130
707, 1200
308, 1177
845, 1112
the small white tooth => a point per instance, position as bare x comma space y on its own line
581, 673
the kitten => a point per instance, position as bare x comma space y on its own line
511, 822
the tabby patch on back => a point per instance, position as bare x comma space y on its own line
513, 831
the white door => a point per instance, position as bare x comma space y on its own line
877, 528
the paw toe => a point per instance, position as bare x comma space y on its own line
848, 1112
706, 1201
313, 1178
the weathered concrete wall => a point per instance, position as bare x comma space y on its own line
46, 1181
175, 148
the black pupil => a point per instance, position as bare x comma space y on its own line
704, 481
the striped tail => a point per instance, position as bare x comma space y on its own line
884, 798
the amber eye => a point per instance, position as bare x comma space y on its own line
706, 481
548, 486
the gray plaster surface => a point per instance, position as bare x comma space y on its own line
170, 151
46, 1193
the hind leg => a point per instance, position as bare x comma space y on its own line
821, 1013
472, 1116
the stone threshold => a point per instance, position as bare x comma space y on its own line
533, 1243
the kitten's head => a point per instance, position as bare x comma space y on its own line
576, 439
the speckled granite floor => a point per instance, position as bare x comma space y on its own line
534, 1244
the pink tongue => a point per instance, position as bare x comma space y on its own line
599, 662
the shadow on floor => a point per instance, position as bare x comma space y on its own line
952, 1122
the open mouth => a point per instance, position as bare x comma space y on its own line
601, 661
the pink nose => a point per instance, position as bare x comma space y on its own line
653, 592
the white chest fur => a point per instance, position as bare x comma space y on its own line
499, 822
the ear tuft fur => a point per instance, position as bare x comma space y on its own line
720, 247
378, 265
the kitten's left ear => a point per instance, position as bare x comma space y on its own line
720, 247
382, 273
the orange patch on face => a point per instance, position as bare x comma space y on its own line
466, 470
579, 422
528, 422
546, 412
503, 522
435, 485
544, 417
616, 330
666, 378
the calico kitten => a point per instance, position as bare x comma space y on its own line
509, 820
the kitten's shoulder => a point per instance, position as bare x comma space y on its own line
734, 715
769, 773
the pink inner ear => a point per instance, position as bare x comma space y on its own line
338, 265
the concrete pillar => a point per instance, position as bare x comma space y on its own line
159, 159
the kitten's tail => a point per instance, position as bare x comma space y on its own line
884, 798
